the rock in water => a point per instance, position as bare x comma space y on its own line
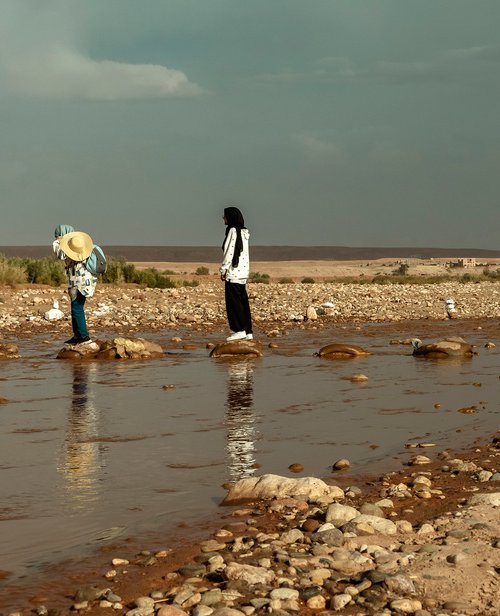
450, 347
8, 351
341, 351
117, 348
244, 348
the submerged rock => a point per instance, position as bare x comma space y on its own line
8, 351
341, 351
117, 348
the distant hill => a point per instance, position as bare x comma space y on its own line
212, 254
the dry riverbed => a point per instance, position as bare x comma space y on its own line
274, 306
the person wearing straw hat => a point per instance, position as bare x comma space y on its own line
74, 247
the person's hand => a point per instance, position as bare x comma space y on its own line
223, 277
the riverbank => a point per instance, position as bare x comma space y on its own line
427, 544
418, 566
275, 307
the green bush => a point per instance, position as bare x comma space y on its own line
258, 278
307, 280
202, 271
45, 271
285, 280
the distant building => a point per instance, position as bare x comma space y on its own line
464, 262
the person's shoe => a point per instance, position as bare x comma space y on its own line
86, 340
72, 341
249, 337
237, 336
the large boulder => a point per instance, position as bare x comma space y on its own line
116, 348
275, 486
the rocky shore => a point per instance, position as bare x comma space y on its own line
124, 310
424, 540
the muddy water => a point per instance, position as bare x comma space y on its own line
92, 452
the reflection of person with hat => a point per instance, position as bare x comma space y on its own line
74, 247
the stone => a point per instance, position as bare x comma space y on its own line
371, 509
248, 574
317, 602
399, 584
311, 314
170, 610
88, 593
284, 594
292, 536
276, 486
9, 351
408, 606
144, 602
456, 559
379, 525
339, 514
341, 464
332, 537
492, 499
202, 610
419, 460
403, 526
339, 601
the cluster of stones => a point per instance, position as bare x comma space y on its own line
117, 348
323, 556
115, 308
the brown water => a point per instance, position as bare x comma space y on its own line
91, 452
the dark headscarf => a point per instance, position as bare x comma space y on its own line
234, 220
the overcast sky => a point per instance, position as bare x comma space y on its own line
329, 122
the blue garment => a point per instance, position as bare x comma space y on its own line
62, 230
78, 321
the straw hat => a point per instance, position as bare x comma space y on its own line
77, 245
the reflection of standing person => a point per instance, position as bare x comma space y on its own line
74, 247
240, 420
234, 271
81, 456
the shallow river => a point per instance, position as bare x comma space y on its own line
92, 452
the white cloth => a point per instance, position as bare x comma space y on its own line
240, 273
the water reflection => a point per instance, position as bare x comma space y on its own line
81, 459
241, 432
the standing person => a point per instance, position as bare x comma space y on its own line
234, 272
74, 247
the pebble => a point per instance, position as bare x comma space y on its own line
339, 601
341, 464
408, 606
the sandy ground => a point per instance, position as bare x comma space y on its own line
321, 270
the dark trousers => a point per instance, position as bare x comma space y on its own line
238, 307
78, 321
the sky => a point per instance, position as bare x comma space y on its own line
328, 122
